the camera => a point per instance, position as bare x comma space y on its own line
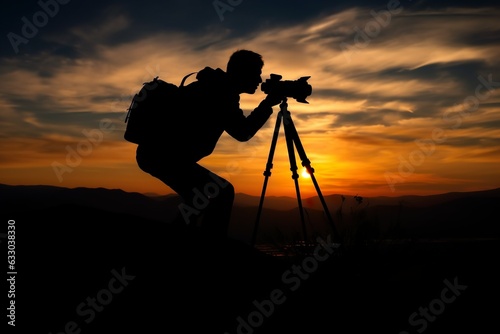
297, 89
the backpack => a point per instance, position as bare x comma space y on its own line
149, 115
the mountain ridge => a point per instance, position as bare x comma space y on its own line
457, 214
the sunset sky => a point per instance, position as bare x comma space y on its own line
406, 95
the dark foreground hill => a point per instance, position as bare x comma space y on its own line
102, 272
82, 269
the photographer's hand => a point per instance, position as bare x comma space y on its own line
273, 100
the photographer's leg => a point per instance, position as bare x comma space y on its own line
204, 194
218, 213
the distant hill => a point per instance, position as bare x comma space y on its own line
456, 214
25, 198
451, 215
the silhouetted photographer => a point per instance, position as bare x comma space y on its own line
210, 106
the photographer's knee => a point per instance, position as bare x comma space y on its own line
227, 192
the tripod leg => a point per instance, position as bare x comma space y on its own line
267, 174
293, 167
307, 164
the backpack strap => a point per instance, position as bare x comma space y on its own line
184, 79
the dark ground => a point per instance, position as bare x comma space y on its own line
184, 283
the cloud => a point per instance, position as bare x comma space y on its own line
385, 93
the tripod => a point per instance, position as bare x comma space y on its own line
292, 138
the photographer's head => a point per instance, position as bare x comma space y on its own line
244, 69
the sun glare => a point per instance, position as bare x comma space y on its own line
305, 173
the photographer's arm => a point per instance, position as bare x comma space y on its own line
244, 128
